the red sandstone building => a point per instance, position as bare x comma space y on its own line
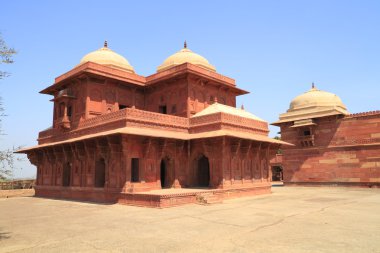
118, 136
331, 146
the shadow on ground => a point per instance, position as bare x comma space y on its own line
4, 235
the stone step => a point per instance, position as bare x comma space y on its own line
209, 198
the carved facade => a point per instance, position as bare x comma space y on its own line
116, 134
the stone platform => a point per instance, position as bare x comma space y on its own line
155, 198
175, 197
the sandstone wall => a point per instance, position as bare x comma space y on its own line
346, 150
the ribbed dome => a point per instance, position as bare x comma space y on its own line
316, 98
106, 56
185, 55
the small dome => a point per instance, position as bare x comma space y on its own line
313, 104
316, 98
106, 56
185, 55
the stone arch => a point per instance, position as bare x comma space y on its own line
166, 172
202, 171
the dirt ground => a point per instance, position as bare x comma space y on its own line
292, 219
16, 193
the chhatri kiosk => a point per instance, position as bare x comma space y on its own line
121, 137
331, 146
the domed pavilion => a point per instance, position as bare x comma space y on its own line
312, 104
170, 138
330, 146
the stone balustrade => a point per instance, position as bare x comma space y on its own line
103, 119
132, 117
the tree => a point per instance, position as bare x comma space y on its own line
279, 151
7, 158
6, 56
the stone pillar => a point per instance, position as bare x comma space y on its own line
90, 149
57, 161
51, 159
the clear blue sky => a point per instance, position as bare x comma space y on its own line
274, 49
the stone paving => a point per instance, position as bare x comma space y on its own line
292, 219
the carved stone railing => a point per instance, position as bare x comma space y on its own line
245, 122
144, 119
363, 114
157, 119
202, 123
122, 118
103, 119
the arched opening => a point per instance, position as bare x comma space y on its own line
203, 172
66, 174
277, 173
100, 173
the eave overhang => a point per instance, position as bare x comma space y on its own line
188, 68
294, 116
96, 69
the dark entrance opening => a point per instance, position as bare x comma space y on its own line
163, 172
162, 109
66, 174
121, 107
203, 172
277, 173
100, 173
135, 170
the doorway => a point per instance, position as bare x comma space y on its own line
163, 174
277, 173
135, 169
166, 173
100, 173
203, 172
66, 174
162, 109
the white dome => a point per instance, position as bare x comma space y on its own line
316, 98
185, 55
106, 56
313, 104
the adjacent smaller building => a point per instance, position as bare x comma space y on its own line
331, 146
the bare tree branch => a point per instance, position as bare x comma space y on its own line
7, 157
6, 56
